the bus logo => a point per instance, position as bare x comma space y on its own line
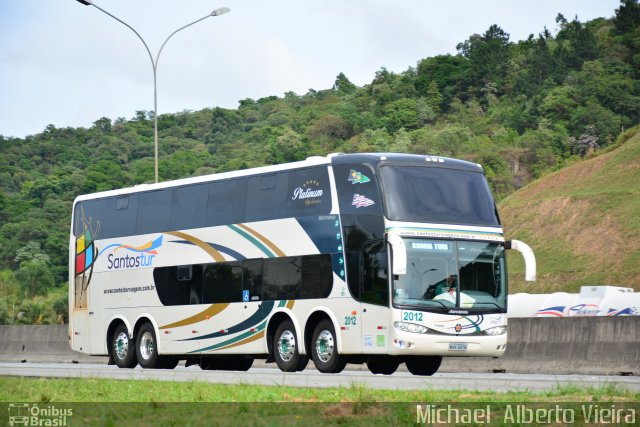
144, 258
360, 201
356, 177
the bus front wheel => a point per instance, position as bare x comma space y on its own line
285, 349
324, 349
423, 365
122, 348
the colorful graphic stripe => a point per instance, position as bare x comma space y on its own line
149, 247
258, 240
551, 311
245, 338
256, 317
85, 252
211, 311
629, 311
473, 323
250, 334
217, 256
222, 249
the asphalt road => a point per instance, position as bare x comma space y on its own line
312, 378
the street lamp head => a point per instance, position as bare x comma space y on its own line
85, 2
218, 12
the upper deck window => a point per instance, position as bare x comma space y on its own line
437, 195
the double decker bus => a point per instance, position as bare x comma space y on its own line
380, 259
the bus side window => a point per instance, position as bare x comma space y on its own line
253, 279
176, 292
266, 196
317, 276
189, 207
179, 285
154, 212
227, 202
222, 282
282, 278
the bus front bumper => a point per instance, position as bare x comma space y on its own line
416, 344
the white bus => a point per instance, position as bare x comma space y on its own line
351, 258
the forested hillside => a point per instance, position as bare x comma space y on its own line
582, 222
521, 108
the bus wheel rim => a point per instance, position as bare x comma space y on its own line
146, 346
121, 345
286, 346
325, 346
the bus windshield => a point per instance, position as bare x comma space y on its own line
447, 274
437, 195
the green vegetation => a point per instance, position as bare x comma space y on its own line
101, 390
522, 109
102, 402
583, 222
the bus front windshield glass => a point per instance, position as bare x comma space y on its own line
446, 275
437, 195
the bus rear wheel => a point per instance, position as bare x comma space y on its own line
285, 349
324, 349
147, 350
382, 365
423, 365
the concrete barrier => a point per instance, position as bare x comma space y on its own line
39, 343
570, 345
580, 345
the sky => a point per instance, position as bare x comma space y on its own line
67, 64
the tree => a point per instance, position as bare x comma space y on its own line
627, 17
31, 252
448, 72
343, 85
34, 278
288, 147
402, 113
433, 97
576, 43
488, 56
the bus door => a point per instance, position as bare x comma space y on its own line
375, 300
363, 231
79, 321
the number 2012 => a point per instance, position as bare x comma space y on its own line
349, 320
411, 316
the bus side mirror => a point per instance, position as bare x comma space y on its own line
399, 252
527, 254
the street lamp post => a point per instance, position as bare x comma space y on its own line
154, 65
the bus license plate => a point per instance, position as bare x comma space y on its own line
457, 346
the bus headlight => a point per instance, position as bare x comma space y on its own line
498, 330
411, 327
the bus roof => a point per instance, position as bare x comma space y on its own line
379, 159
374, 159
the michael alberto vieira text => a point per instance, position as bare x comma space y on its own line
524, 414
